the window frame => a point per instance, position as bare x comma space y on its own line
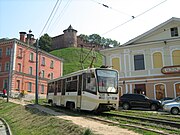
31, 57
174, 32
1, 51
8, 51
7, 68
29, 86
138, 61
43, 62
30, 70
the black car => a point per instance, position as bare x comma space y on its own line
128, 101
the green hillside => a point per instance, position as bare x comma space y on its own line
72, 59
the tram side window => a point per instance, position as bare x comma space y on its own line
90, 83
56, 88
59, 85
63, 86
50, 88
71, 86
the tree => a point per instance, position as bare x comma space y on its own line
45, 42
97, 39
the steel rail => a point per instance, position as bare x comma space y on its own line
163, 122
126, 125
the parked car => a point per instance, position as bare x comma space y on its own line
166, 98
169, 101
172, 107
128, 101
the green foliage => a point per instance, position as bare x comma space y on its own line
97, 39
30, 121
45, 42
72, 59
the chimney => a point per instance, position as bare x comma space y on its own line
22, 36
30, 38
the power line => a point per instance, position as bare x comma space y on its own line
134, 17
106, 6
49, 18
61, 14
54, 15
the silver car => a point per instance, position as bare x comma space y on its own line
169, 101
172, 107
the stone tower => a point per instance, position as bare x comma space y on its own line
70, 37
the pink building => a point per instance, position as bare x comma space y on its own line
18, 66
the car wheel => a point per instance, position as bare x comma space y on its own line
153, 107
174, 111
126, 106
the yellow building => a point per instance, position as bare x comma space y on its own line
150, 63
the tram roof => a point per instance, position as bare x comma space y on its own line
76, 73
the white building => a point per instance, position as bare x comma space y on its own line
150, 63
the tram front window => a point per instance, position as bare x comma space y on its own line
107, 81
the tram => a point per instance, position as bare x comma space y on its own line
92, 89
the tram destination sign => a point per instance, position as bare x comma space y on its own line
171, 69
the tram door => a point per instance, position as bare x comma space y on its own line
79, 93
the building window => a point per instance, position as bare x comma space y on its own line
5, 83
140, 89
30, 70
0, 67
0, 52
157, 60
43, 74
19, 67
139, 62
177, 89
20, 53
7, 66
29, 86
160, 91
116, 63
52, 64
174, 32
51, 76
18, 85
31, 57
43, 61
42, 89
176, 57
8, 51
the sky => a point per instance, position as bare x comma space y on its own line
86, 16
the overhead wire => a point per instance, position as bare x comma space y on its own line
60, 15
54, 15
49, 17
135, 17
106, 6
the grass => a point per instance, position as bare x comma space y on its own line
145, 124
28, 121
71, 58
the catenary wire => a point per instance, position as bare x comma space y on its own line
106, 6
60, 15
135, 17
49, 18
54, 15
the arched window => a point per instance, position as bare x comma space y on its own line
160, 91
116, 63
176, 57
177, 89
157, 60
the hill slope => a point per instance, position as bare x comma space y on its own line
72, 59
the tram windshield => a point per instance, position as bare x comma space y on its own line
107, 80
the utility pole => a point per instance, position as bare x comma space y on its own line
36, 96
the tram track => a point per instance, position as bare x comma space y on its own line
126, 125
154, 125
152, 120
4, 127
